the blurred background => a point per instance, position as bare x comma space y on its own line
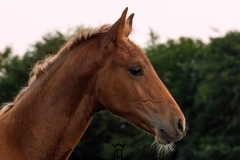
193, 46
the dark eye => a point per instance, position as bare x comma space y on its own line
136, 71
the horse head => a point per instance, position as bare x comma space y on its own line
129, 87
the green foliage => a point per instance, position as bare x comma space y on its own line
218, 97
12, 73
203, 79
14, 70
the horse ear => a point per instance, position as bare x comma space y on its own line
129, 24
130, 20
116, 32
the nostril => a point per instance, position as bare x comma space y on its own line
180, 125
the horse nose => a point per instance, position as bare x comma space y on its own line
180, 126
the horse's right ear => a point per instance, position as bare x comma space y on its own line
116, 32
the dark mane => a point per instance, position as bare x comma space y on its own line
42, 66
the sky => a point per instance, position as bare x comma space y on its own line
23, 23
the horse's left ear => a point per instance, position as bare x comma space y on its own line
119, 30
128, 27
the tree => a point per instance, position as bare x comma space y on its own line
218, 97
14, 70
203, 79
12, 75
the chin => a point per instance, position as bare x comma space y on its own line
161, 147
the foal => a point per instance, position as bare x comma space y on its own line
95, 70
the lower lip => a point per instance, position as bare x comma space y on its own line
165, 136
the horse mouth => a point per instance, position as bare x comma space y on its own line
165, 136
162, 137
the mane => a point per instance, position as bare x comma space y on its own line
84, 35
41, 67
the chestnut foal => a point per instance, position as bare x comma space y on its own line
96, 70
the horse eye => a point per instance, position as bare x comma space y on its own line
136, 71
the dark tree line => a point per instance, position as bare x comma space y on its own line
203, 78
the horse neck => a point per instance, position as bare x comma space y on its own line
50, 118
